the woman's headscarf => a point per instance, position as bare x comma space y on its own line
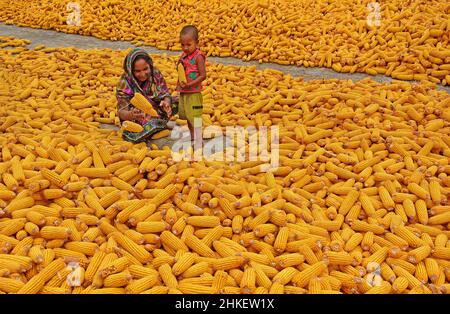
128, 68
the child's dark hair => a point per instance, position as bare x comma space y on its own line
190, 29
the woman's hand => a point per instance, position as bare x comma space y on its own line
165, 104
137, 115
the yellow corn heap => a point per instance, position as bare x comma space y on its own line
358, 204
132, 127
374, 39
181, 74
161, 134
140, 102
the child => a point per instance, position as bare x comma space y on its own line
193, 61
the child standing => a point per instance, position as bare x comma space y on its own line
191, 101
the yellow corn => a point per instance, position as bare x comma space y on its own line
134, 249
140, 102
302, 278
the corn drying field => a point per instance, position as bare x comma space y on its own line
360, 201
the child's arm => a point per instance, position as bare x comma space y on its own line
202, 72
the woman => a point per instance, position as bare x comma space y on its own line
140, 76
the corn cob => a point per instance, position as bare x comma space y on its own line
140, 102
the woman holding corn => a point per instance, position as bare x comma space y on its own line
143, 97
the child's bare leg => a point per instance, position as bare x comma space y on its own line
196, 133
198, 136
191, 131
198, 140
